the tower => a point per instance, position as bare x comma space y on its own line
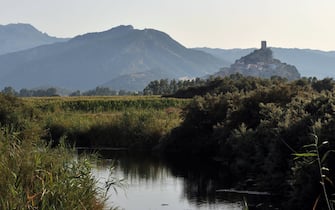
263, 44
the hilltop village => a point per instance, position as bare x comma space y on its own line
260, 63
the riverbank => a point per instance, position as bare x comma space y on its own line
33, 174
270, 131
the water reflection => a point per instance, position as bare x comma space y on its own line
157, 183
202, 179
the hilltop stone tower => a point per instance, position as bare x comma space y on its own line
263, 45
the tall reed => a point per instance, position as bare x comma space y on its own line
34, 176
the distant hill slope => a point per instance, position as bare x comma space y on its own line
16, 37
310, 63
94, 59
229, 55
260, 63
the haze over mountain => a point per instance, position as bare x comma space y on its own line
124, 58
16, 37
260, 63
121, 54
309, 62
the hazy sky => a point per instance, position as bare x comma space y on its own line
194, 23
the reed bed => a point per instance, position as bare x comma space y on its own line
36, 176
128, 121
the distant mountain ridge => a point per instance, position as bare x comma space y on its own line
123, 58
309, 62
16, 37
122, 54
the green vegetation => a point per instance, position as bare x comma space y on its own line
263, 130
49, 92
30, 93
313, 154
166, 87
38, 177
256, 126
34, 175
134, 122
196, 87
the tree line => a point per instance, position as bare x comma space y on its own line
198, 86
49, 92
176, 88
166, 86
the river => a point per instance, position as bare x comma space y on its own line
156, 183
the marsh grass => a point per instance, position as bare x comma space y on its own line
130, 121
98, 104
134, 129
34, 176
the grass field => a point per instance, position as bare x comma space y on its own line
115, 121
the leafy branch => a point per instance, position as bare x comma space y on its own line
313, 150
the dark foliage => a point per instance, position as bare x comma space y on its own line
14, 113
255, 126
30, 93
168, 88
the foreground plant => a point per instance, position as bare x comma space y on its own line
35, 176
314, 156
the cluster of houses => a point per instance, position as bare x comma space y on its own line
260, 66
260, 63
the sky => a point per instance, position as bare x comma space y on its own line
194, 23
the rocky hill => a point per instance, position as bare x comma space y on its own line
260, 63
16, 37
311, 63
119, 56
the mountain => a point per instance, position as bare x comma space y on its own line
120, 55
135, 81
16, 37
309, 62
229, 55
261, 63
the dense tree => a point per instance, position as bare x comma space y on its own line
100, 91
325, 84
75, 93
255, 126
26, 93
9, 91
166, 87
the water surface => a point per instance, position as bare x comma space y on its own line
153, 183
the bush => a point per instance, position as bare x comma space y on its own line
256, 131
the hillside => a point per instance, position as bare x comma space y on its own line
261, 63
309, 62
94, 59
229, 55
16, 37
